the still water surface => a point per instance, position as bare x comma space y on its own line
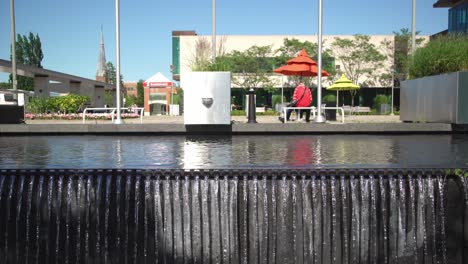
208, 152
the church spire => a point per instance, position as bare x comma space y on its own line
101, 67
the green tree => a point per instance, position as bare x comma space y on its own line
111, 74
5, 85
28, 52
130, 100
359, 58
109, 98
140, 94
388, 74
252, 67
292, 47
402, 52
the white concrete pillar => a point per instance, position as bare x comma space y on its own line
41, 86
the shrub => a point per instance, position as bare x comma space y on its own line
442, 55
268, 112
71, 103
238, 113
381, 99
37, 105
276, 99
329, 98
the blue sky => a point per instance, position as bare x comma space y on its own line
70, 29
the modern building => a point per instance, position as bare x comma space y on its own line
457, 15
186, 43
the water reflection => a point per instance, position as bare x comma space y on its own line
198, 152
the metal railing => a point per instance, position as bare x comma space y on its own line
112, 112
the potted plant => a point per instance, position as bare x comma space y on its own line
330, 101
382, 104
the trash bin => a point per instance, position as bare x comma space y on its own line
330, 114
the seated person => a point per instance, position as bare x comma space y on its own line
303, 96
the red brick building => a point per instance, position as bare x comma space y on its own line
157, 94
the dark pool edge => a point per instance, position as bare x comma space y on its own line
251, 129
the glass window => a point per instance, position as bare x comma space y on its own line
9, 98
157, 96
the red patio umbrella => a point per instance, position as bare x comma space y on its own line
302, 65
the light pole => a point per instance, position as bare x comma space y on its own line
413, 29
213, 32
393, 74
319, 118
13, 47
118, 120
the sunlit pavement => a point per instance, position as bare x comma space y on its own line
236, 119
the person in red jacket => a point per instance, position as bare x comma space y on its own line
303, 97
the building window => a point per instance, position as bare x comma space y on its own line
158, 97
458, 18
9, 98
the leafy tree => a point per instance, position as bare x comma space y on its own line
140, 94
109, 98
28, 52
402, 52
252, 67
292, 47
359, 58
6, 85
111, 74
130, 100
387, 76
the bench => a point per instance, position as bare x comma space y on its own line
361, 109
356, 109
313, 111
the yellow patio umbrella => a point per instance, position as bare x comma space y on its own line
342, 84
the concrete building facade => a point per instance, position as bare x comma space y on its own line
185, 43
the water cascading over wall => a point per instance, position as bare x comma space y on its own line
228, 216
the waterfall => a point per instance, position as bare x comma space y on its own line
228, 216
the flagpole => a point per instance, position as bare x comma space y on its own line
13, 47
393, 75
413, 29
319, 118
118, 120
213, 32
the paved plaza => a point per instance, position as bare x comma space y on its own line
237, 119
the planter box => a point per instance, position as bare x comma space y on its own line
440, 98
207, 98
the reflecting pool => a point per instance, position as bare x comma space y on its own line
210, 152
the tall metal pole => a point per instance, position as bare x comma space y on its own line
319, 118
413, 29
213, 32
118, 120
13, 44
393, 75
